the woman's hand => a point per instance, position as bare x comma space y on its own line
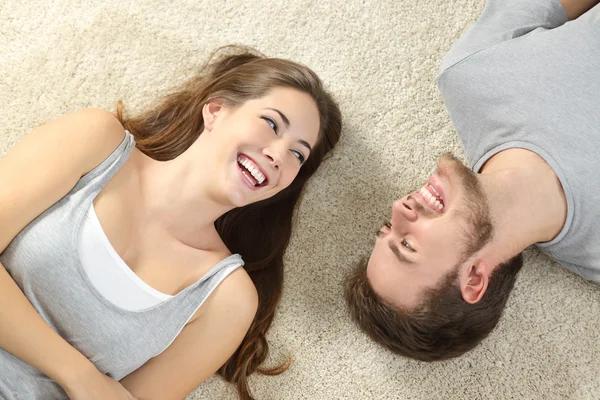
97, 386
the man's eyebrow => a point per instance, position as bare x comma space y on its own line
398, 253
286, 121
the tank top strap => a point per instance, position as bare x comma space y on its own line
98, 176
220, 270
201, 289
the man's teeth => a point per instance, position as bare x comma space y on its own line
250, 166
431, 199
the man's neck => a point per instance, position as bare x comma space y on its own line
526, 199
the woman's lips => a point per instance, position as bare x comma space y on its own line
253, 175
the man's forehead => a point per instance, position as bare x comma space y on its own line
382, 272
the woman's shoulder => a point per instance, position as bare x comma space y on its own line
238, 284
236, 296
239, 291
46, 163
87, 136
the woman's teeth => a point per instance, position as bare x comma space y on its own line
433, 199
252, 168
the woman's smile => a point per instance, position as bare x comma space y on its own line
251, 173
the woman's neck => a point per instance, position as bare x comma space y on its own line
177, 198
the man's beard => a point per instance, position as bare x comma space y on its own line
474, 212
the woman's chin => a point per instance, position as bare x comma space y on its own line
238, 198
240, 195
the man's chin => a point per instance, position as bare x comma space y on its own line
450, 165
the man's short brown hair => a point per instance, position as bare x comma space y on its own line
442, 326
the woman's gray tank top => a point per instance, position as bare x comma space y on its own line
43, 260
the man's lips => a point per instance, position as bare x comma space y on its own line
429, 197
436, 183
424, 203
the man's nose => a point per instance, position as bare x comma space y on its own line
402, 210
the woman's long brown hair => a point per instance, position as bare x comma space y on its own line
261, 231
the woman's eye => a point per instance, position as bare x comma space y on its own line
388, 225
407, 246
299, 156
271, 123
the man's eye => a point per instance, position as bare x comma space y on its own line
407, 246
380, 232
271, 123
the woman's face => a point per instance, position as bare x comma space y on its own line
260, 146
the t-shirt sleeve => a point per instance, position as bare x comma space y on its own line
504, 20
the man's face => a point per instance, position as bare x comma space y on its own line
432, 232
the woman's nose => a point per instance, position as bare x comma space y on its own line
273, 153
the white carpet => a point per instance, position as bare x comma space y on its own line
380, 59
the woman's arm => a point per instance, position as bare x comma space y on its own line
203, 346
38, 171
576, 8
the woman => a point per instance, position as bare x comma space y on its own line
123, 234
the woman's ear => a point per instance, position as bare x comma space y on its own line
474, 282
210, 112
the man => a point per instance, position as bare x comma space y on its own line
522, 89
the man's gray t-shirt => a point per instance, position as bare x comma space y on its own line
524, 77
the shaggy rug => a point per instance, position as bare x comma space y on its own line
380, 59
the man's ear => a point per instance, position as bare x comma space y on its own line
210, 111
474, 281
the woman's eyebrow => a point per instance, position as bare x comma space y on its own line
305, 144
285, 119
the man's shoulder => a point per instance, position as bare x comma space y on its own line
460, 59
